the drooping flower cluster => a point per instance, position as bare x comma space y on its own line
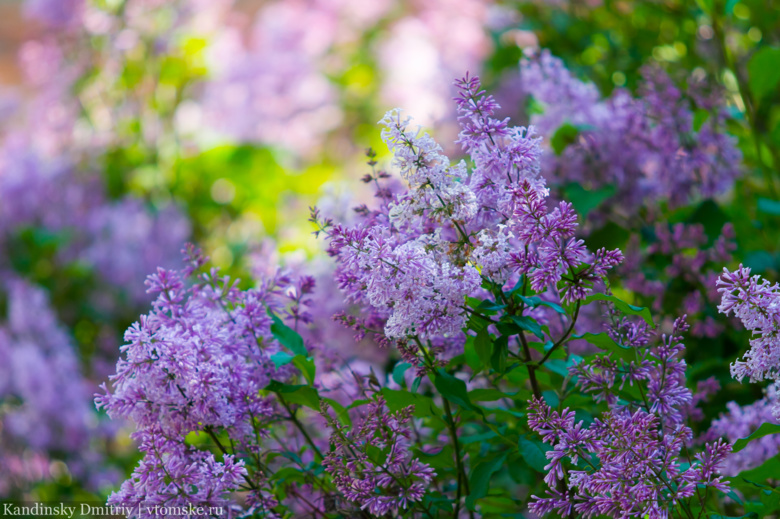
632, 455
197, 362
371, 464
756, 302
649, 147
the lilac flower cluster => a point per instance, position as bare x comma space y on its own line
629, 461
380, 486
197, 362
648, 147
414, 259
755, 302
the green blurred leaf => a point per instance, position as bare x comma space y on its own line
764, 72
298, 394
398, 372
565, 135
585, 201
765, 205
483, 346
624, 307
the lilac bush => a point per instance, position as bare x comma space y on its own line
475, 284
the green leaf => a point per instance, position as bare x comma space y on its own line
765, 205
624, 307
535, 301
764, 72
765, 430
584, 200
529, 324
454, 390
341, 411
401, 399
699, 118
479, 478
483, 346
769, 469
281, 358
398, 372
287, 337
298, 394
533, 452
565, 135
608, 344
306, 366
500, 354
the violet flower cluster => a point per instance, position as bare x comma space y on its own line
379, 486
197, 362
629, 461
651, 147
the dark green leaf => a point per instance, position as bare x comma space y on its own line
454, 390
398, 372
565, 135
768, 206
479, 478
483, 346
500, 353
400, 399
533, 452
528, 324
306, 366
585, 201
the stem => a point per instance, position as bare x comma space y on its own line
531, 367
565, 335
300, 427
462, 479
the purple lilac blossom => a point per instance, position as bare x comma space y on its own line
413, 260
633, 452
646, 147
391, 487
196, 362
